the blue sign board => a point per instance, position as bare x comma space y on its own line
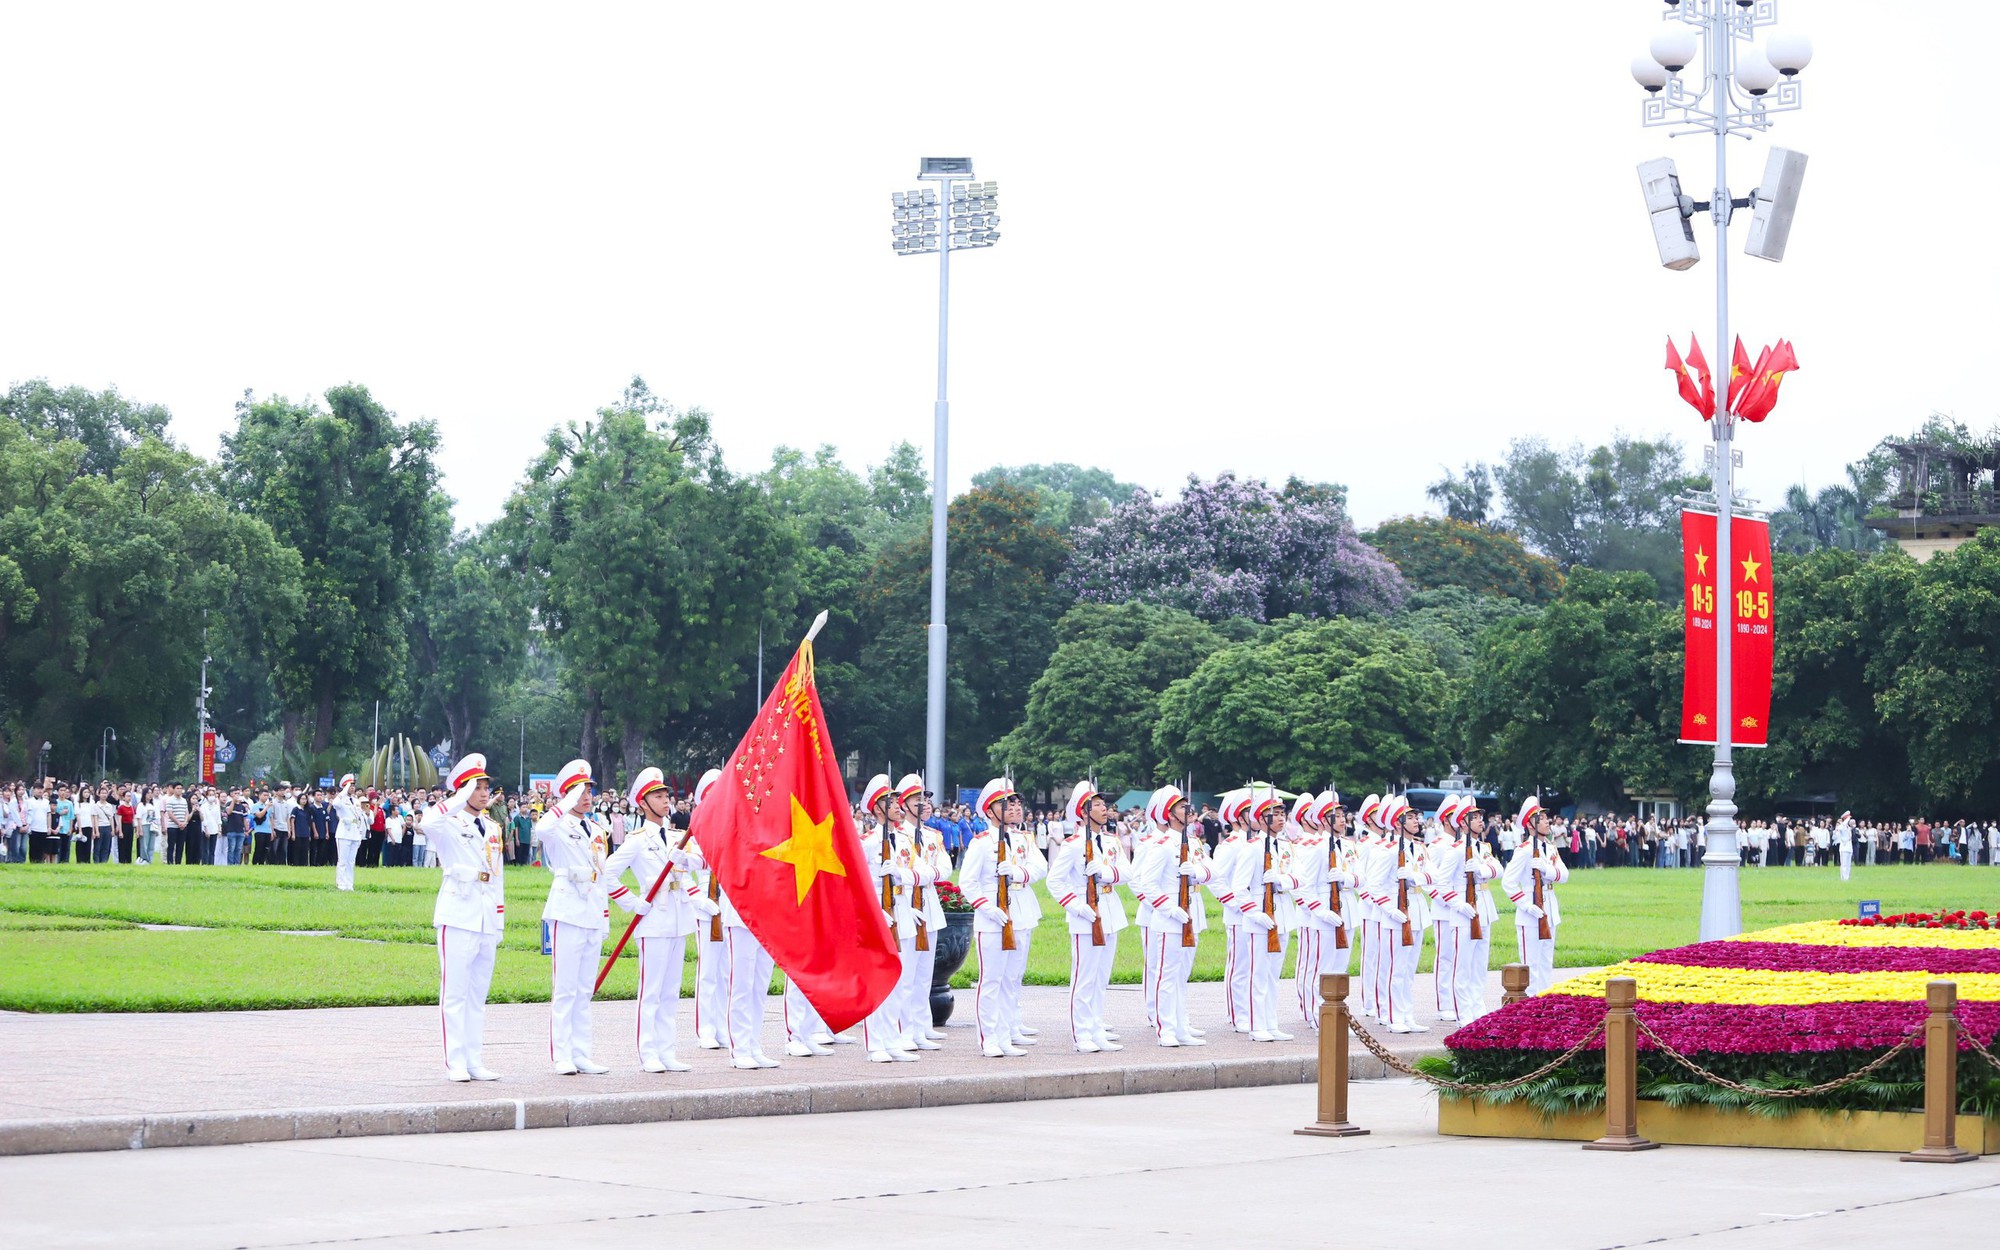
1870, 907
326, 783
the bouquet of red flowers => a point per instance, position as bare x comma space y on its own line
951, 898
1959, 919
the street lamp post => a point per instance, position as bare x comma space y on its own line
46, 748
104, 741
1739, 88
521, 761
956, 214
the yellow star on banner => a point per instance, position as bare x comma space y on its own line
1701, 718
1750, 567
1749, 722
1701, 562
809, 850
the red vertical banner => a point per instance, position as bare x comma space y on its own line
208, 758
1698, 626
1751, 650
1752, 614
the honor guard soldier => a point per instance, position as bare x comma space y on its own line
663, 864
1531, 877
349, 834
747, 984
932, 863
883, 1031
574, 851
1084, 872
994, 878
1395, 884
1322, 865
913, 989
711, 941
1172, 916
1257, 885
1233, 810
471, 914
1366, 915
1454, 909
1479, 949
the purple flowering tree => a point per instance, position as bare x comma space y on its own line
1233, 548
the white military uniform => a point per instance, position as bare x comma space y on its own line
1247, 879
1323, 915
1364, 914
1156, 873
1396, 960
932, 865
1071, 881
348, 834
574, 850
1235, 967
979, 877
747, 985
1535, 857
470, 917
1452, 914
664, 924
711, 941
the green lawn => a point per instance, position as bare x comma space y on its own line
68, 941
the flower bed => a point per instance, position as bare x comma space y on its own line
1784, 1007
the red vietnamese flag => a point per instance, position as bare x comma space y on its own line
779, 835
1689, 391
1700, 363
1771, 371
1740, 373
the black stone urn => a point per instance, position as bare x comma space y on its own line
953, 945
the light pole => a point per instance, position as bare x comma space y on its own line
104, 741
521, 761
1739, 88
46, 748
956, 214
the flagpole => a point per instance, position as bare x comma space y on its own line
1721, 900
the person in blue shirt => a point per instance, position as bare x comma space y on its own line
260, 829
65, 817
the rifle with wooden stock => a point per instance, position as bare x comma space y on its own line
1090, 884
1403, 886
1541, 898
1472, 888
917, 892
1272, 941
1186, 899
1333, 887
1000, 893
714, 894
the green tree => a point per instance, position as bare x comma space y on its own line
1937, 677
354, 492
650, 566
1584, 696
1002, 603
106, 423
1436, 552
470, 636
1071, 494
103, 582
1451, 621
1613, 507
1465, 497
1353, 702
1092, 710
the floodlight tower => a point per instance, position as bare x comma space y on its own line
1739, 88
956, 214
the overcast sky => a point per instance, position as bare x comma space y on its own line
1355, 242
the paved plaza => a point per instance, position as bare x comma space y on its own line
112, 1081
1219, 1168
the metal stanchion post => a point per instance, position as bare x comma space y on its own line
1333, 1027
1941, 1079
1621, 1070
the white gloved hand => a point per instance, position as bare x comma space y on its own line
1546, 867
1259, 920
706, 906
637, 906
1406, 873
1173, 913
1191, 869
1334, 918
1529, 910
901, 875
1012, 871
1342, 878
1284, 882
1081, 911
1098, 868
994, 914
1395, 917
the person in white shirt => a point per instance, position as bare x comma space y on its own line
351, 831
470, 917
574, 849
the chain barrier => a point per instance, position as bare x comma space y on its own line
1972, 1043
1823, 1087
1395, 1063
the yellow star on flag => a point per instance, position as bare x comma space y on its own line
1750, 567
1749, 722
1701, 562
809, 850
